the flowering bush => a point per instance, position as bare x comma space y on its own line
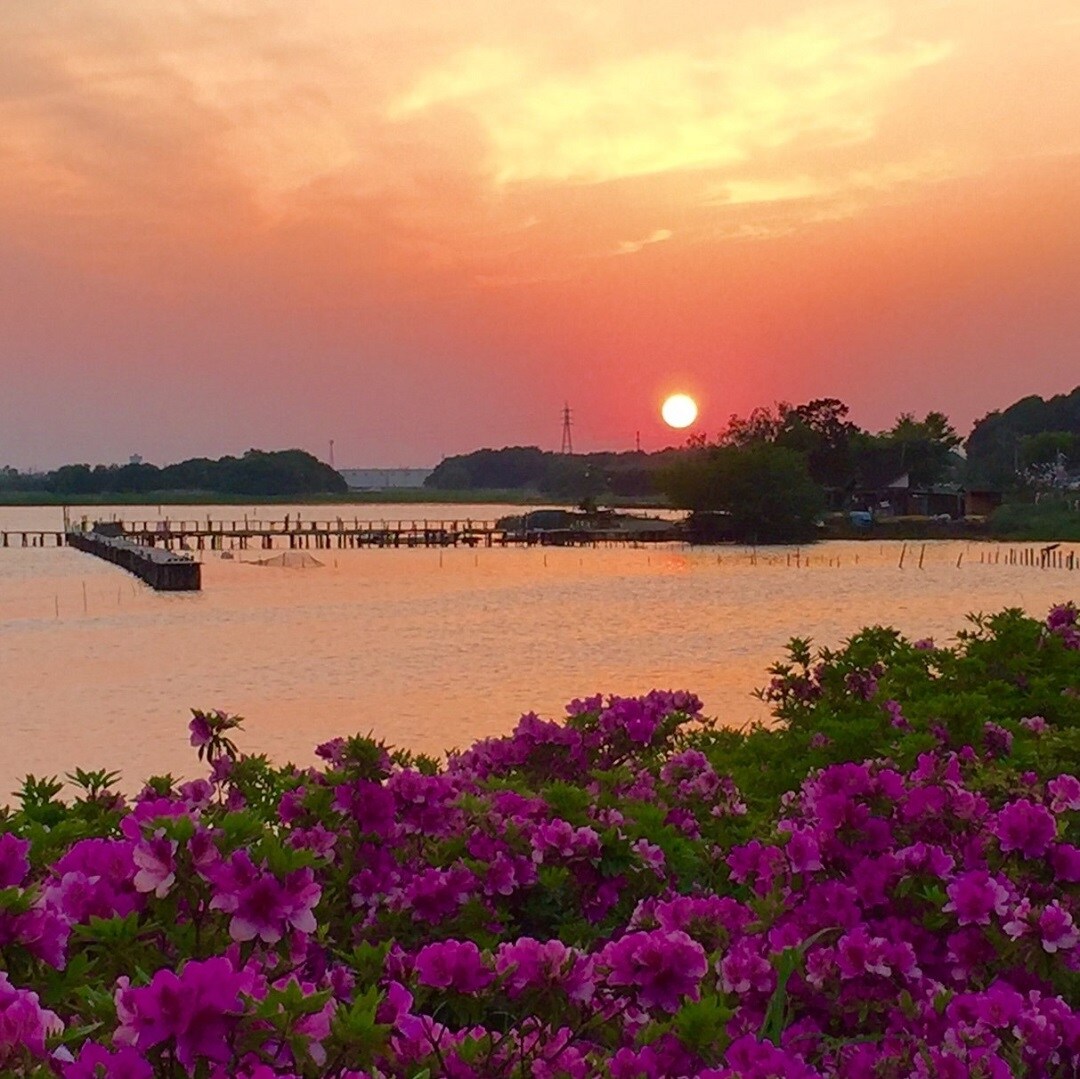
885, 883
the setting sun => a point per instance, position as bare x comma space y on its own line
679, 410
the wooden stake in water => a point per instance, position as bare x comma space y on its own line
84, 597
903, 551
56, 605
922, 555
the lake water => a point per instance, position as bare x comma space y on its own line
429, 649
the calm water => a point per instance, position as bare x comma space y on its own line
428, 649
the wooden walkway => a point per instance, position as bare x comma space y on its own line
338, 533
34, 538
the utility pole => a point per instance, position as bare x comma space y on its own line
331, 453
567, 438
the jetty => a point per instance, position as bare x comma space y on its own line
165, 571
35, 537
291, 533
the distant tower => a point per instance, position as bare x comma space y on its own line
331, 453
567, 438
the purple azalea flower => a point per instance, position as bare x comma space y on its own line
14, 864
1056, 929
156, 868
1025, 827
974, 896
95, 1061
194, 1010
1065, 793
24, 1024
453, 964
664, 967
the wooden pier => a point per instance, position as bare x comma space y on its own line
163, 570
248, 533
33, 538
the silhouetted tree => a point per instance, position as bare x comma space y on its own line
766, 490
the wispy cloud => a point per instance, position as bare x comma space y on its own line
631, 247
821, 78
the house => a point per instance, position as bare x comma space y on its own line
896, 496
981, 503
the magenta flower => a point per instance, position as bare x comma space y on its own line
1025, 827
744, 968
974, 896
1062, 615
857, 954
24, 1024
371, 805
663, 966
195, 1010
1065, 793
1057, 930
897, 718
14, 864
1019, 922
531, 964
1065, 859
436, 894
563, 840
200, 730
453, 964
94, 878
262, 906
156, 869
41, 930
755, 864
997, 740
650, 854
95, 1061
803, 851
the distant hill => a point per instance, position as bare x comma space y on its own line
1002, 445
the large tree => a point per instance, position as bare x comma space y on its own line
765, 489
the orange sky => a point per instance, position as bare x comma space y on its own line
418, 228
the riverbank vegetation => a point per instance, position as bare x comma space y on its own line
837, 455
286, 473
885, 883
1052, 520
1029, 454
393, 495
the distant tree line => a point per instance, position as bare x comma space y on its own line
556, 475
280, 472
1028, 444
770, 474
838, 455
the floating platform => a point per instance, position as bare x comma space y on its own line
161, 569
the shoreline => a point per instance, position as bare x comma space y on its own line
835, 528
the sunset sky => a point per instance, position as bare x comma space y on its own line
418, 228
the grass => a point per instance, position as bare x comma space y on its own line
1050, 521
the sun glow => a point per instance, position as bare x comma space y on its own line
679, 410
